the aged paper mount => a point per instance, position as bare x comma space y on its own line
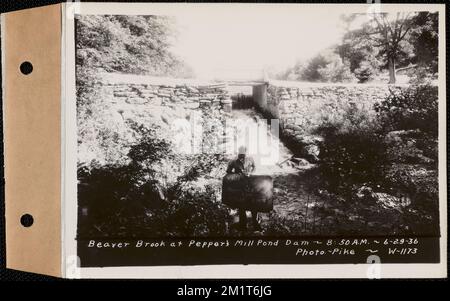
42, 151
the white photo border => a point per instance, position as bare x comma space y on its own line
70, 263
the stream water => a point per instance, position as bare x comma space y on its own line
291, 200
260, 137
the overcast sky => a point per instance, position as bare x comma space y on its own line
233, 40
213, 38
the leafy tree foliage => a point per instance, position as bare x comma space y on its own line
380, 42
361, 56
390, 35
128, 44
117, 43
425, 38
325, 67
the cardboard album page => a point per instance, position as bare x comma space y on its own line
31, 48
151, 140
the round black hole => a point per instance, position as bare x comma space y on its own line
26, 68
26, 220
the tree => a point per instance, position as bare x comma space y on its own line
390, 35
128, 44
336, 71
425, 39
327, 67
401, 41
360, 55
116, 43
293, 73
366, 71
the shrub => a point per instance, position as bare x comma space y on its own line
420, 185
278, 225
409, 109
116, 194
367, 70
412, 146
346, 117
156, 192
352, 150
327, 67
124, 214
416, 180
195, 212
336, 72
421, 75
349, 158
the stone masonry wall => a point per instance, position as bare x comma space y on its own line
179, 107
301, 107
144, 90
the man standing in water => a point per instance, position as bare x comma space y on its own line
244, 165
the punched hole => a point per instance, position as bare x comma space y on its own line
26, 68
26, 220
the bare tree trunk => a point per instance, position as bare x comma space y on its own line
391, 66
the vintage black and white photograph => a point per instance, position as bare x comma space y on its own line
257, 125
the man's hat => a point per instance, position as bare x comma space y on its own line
242, 150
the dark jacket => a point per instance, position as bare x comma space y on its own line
239, 167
